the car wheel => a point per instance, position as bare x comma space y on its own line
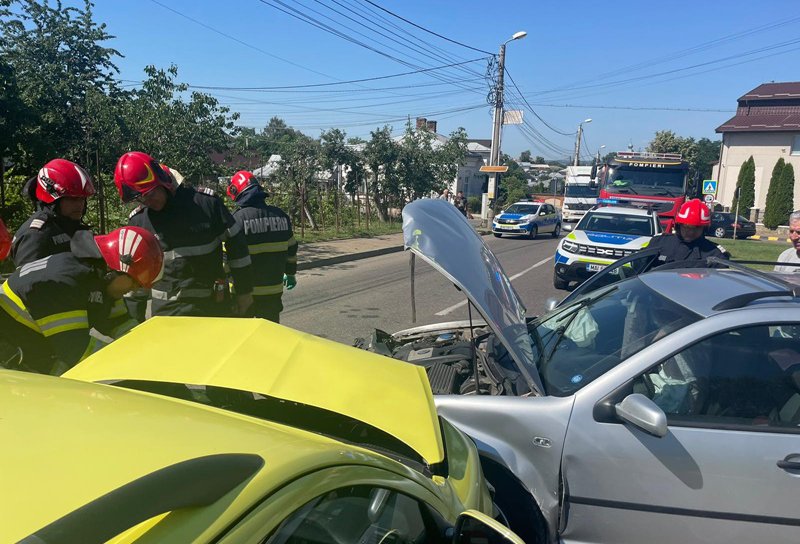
497, 235
559, 283
515, 503
557, 230
534, 232
719, 232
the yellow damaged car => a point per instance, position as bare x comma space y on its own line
235, 431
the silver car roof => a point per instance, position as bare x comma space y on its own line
702, 289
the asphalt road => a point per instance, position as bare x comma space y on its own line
345, 301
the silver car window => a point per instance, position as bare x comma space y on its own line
588, 338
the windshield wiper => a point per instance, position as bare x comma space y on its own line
628, 189
665, 192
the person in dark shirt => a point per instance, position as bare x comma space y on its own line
192, 226
270, 242
59, 193
48, 306
689, 242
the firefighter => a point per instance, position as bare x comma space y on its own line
48, 306
191, 226
270, 242
689, 242
59, 192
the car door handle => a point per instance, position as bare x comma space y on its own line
786, 464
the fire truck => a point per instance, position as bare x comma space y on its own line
655, 181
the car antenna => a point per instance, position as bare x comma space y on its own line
475, 373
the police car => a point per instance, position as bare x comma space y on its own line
529, 218
605, 234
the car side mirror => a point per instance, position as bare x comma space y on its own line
643, 413
473, 527
551, 303
542, 213
594, 171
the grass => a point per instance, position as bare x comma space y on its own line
376, 228
753, 250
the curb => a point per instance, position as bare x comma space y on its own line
349, 257
769, 238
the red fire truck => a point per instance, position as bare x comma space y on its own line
658, 181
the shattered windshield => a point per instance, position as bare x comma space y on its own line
586, 339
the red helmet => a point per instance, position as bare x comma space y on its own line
5, 241
134, 251
694, 213
137, 174
240, 181
59, 178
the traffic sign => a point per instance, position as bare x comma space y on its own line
709, 199
709, 187
494, 169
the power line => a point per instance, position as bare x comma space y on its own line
241, 42
522, 96
635, 108
415, 25
333, 83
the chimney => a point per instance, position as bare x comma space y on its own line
421, 123
432, 126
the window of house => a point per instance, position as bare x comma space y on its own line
796, 145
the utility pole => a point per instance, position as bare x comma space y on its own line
497, 125
578, 137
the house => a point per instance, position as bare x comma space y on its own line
766, 126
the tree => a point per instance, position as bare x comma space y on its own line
380, 155
57, 58
525, 156
746, 187
512, 189
700, 154
780, 195
180, 133
538, 160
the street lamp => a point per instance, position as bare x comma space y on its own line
598, 154
578, 141
497, 123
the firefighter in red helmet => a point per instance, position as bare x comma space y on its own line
191, 225
270, 241
48, 306
59, 193
689, 242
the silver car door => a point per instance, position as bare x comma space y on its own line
728, 467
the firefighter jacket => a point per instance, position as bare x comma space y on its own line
270, 241
191, 229
60, 298
673, 248
43, 234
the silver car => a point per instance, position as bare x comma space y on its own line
661, 408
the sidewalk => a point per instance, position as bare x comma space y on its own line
317, 254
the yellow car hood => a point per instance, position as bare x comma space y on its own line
263, 357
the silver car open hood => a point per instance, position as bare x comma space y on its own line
436, 231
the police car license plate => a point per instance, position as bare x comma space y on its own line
506, 227
592, 267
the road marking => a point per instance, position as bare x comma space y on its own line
515, 276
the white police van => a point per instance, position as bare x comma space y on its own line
603, 235
529, 218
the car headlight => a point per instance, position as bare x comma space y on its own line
572, 247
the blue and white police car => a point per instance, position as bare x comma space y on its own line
603, 235
528, 218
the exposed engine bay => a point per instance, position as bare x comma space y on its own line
447, 356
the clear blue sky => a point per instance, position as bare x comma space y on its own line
569, 44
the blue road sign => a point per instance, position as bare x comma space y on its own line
709, 187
